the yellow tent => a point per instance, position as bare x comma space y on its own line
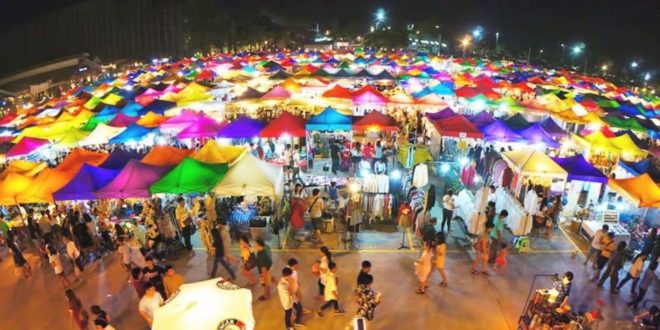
629, 150
640, 190
213, 153
112, 99
532, 162
71, 138
598, 142
250, 176
151, 120
22, 167
13, 185
291, 85
43, 186
421, 154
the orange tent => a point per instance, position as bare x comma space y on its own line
44, 185
338, 92
151, 120
77, 157
641, 190
166, 156
13, 185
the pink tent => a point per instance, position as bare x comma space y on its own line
369, 95
181, 121
26, 146
203, 127
122, 120
277, 93
133, 181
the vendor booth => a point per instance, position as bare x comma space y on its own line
584, 183
324, 127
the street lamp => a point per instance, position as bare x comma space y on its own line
563, 52
497, 41
465, 43
633, 66
380, 16
603, 67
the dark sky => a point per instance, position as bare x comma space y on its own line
619, 30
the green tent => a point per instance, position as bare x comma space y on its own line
190, 176
624, 123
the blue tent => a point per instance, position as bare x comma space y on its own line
580, 169
119, 157
133, 132
131, 109
551, 127
499, 131
329, 120
85, 183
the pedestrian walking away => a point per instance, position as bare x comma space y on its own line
331, 291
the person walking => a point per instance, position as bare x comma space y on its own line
138, 281
633, 273
19, 260
99, 313
295, 283
481, 247
440, 254
171, 281
496, 235
154, 274
448, 207
500, 260
613, 267
55, 261
428, 232
247, 260
151, 301
316, 207
285, 291
649, 278
264, 263
331, 291
219, 252
78, 314
596, 245
367, 299
423, 268
608, 247
186, 223
75, 256
320, 268
364, 272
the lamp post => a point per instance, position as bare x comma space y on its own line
380, 17
465, 43
563, 53
497, 41
633, 67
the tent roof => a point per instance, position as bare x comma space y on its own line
133, 181
329, 120
517, 122
368, 95
165, 156
85, 183
551, 127
536, 134
640, 190
285, 124
26, 146
641, 167
119, 157
376, 121
213, 153
133, 132
243, 127
457, 126
77, 157
627, 145
444, 114
533, 162
264, 179
580, 169
151, 120
44, 185
101, 135
499, 131
338, 92
22, 167
277, 93
190, 176
482, 118
13, 185
122, 120
203, 127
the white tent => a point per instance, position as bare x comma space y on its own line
249, 176
208, 305
101, 135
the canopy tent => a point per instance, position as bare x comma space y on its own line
551, 127
580, 169
213, 153
151, 120
641, 190
457, 126
208, 305
284, 125
180, 121
122, 120
536, 134
641, 167
419, 154
44, 185
85, 183
71, 138
203, 127
12, 186
22, 167
638, 142
444, 114
277, 93
132, 133
243, 127
628, 147
517, 122
250, 176
190, 176
338, 92
165, 156
329, 120
26, 146
368, 95
101, 135
533, 163
119, 157
375, 121
77, 157
482, 118
133, 181
499, 131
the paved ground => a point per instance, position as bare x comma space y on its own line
470, 301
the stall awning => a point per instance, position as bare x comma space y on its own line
165, 156
640, 190
133, 181
190, 176
457, 126
243, 127
580, 169
375, 121
250, 176
329, 120
534, 163
85, 183
284, 125
213, 153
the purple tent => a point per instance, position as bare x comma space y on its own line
551, 127
536, 134
122, 120
498, 131
580, 169
243, 127
203, 127
446, 113
133, 181
481, 118
85, 183
119, 157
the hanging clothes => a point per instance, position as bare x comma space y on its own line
468, 173
420, 175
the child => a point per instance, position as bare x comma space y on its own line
500, 260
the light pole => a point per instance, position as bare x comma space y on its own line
465, 43
563, 53
633, 66
497, 41
380, 17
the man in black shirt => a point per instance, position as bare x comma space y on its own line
219, 247
364, 273
334, 155
154, 274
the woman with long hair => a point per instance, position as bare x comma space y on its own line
55, 261
320, 268
423, 267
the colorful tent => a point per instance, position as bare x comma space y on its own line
285, 124
44, 185
641, 167
579, 169
101, 135
375, 121
536, 134
85, 183
628, 147
22, 167
420, 154
499, 131
482, 118
151, 120
243, 127
71, 138
190, 176
122, 120
26, 146
457, 126
517, 122
368, 95
12, 186
213, 153
180, 121
119, 157
203, 127
133, 181
77, 157
132, 133
444, 114
165, 156
551, 127
329, 120
338, 92
277, 93
533, 163
640, 190
264, 179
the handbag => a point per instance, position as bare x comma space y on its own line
251, 262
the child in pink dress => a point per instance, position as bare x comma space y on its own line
500, 260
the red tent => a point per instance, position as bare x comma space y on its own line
338, 92
466, 92
285, 124
457, 126
376, 121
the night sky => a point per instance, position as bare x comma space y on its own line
619, 30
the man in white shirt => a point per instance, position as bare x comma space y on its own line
448, 207
331, 291
151, 301
285, 290
594, 249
